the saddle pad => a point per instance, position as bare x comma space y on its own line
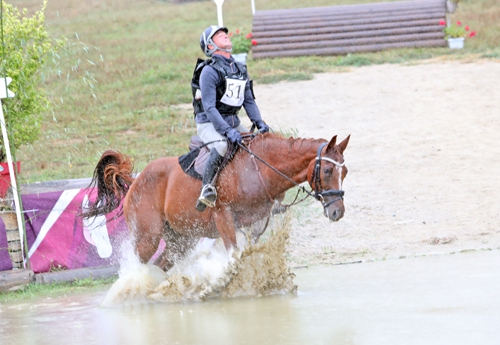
193, 163
188, 163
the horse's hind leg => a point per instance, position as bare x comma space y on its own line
147, 229
176, 247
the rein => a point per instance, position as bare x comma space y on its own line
317, 191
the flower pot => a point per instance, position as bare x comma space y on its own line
5, 177
241, 58
456, 43
451, 6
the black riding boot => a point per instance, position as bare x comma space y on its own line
208, 193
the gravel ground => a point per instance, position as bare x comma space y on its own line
423, 159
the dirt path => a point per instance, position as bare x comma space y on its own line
424, 158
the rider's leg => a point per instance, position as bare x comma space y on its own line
218, 148
208, 193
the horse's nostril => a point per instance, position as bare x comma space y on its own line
335, 215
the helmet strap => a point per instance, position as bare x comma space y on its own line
216, 47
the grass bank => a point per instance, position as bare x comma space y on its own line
34, 291
131, 88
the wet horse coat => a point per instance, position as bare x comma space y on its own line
160, 202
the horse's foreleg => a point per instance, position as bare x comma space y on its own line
176, 247
258, 228
225, 226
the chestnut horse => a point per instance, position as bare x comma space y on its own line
160, 201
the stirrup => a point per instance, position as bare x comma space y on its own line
208, 196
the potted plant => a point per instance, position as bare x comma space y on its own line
242, 43
27, 45
456, 33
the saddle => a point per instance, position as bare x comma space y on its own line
193, 163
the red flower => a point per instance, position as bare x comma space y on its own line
472, 34
237, 31
442, 22
254, 42
249, 35
467, 28
459, 23
230, 34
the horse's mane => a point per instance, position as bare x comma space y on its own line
277, 140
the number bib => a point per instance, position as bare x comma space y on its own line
235, 92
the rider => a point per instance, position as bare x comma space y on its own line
224, 87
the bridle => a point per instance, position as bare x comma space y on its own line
317, 192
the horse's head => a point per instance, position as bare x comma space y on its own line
325, 175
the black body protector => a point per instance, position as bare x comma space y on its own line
230, 92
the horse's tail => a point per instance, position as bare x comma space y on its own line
112, 177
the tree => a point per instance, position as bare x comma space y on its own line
26, 45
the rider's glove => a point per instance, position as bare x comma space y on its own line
234, 136
262, 127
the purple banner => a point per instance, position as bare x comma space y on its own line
59, 239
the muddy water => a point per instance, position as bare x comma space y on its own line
208, 271
445, 299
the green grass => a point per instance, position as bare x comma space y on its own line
35, 291
142, 54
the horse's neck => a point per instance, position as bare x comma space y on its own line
289, 156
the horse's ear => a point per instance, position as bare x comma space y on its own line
344, 143
331, 144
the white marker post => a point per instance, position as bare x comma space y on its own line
219, 11
6, 93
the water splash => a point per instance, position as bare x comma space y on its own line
136, 280
262, 268
210, 271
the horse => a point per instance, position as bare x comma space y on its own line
160, 201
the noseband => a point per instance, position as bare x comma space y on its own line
319, 193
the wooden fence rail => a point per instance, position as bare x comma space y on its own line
347, 29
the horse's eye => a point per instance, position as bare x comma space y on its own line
328, 171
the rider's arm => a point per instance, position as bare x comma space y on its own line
249, 104
209, 80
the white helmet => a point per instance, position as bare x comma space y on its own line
206, 39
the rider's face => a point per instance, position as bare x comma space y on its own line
221, 39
